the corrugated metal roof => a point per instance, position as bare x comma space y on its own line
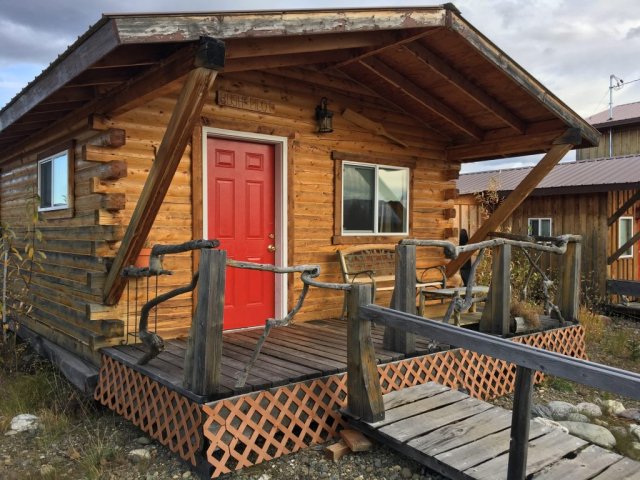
600, 171
621, 113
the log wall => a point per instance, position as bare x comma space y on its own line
108, 181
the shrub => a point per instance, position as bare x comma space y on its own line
617, 343
634, 349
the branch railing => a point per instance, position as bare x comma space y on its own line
365, 399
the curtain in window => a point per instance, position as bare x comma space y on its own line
392, 200
358, 198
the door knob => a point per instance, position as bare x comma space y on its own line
271, 248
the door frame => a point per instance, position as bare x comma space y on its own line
281, 199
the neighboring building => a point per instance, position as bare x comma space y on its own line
623, 128
576, 197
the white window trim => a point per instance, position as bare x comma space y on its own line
539, 219
375, 233
620, 243
51, 158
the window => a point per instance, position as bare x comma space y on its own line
375, 199
53, 182
625, 232
540, 227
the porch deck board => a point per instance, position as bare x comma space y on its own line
467, 439
292, 354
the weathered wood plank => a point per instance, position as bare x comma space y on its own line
590, 462
625, 469
629, 288
520, 424
467, 431
398, 398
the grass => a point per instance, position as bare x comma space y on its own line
594, 325
96, 455
526, 310
559, 384
616, 343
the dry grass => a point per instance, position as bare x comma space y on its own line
527, 311
594, 325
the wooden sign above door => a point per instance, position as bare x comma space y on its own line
244, 102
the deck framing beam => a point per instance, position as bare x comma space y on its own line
622, 210
179, 130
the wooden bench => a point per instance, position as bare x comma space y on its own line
376, 265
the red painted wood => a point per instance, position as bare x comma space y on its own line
241, 214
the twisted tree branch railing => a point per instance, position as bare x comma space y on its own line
307, 275
556, 245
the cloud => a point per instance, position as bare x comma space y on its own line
633, 32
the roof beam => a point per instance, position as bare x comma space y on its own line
502, 147
287, 60
517, 196
410, 89
494, 55
369, 52
470, 89
88, 52
179, 130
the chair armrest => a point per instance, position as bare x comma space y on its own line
370, 274
437, 267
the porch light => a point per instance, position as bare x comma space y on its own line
324, 117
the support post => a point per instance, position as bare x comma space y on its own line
561, 147
203, 356
569, 291
404, 300
520, 422
186, 114
364, 396
496, 314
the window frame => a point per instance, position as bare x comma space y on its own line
529, 229
620, 242
58, 211
376, 167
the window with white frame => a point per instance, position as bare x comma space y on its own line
53, 181
540, 227
375, 199
625, 232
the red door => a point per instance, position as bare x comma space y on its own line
241, 214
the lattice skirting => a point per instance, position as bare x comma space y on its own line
252, 428
163, 414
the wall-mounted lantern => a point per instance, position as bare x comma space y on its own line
324, 117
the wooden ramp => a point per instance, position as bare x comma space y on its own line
465, 438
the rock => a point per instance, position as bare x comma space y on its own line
602, 423
635, 430
551, 423
540, 411
377, 463
589, 409
635, 446
140, 454
612, 407
187, 474
621, 431
143, 441
632, 414
264, 476
560, 410
406, 472
577, 417
591, 433
24, 422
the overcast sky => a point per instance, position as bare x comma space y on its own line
571, 46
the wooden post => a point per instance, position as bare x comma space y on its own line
404, 299
569, 288
496, 313
203, 357
520, 422
186, 114
364, 396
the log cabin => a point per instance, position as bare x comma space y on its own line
285, 136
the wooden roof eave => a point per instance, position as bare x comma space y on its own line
507, 65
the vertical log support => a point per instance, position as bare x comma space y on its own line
208, 59
404, 299
364, 396
569, 291
203, 357
495, 316
520, 422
